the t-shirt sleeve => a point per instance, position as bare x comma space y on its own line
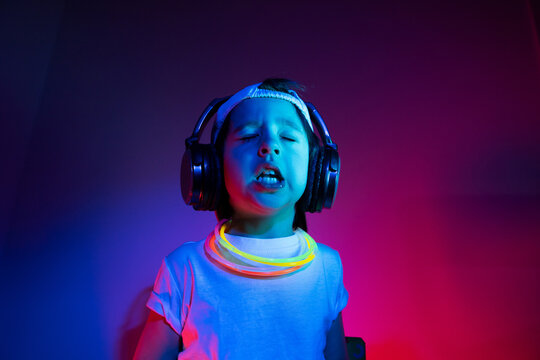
342, 296
166, 298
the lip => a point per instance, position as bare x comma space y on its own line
268, 166
267, 188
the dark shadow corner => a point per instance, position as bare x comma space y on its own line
356, 347
133, 325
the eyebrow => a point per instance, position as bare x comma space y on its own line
292, 124
250, 123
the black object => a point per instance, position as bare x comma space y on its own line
200, 177
356, 348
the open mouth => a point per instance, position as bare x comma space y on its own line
270, 176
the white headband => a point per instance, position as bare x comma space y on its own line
253, 91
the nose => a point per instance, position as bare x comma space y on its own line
268, 146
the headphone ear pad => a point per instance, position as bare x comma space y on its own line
305, 200
313, 205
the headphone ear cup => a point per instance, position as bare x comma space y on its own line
329, 177
191, 175
199, 177
326, 180
211, 179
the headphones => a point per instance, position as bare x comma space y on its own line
201, 180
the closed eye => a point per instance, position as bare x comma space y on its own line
288, 138
248, 137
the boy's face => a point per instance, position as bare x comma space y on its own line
265, 157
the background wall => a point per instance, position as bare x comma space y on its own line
435, 108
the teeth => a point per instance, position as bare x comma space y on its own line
267, 179
269, 172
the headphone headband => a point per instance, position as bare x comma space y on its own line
206, 115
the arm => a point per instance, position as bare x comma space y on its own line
336, 348
158, 340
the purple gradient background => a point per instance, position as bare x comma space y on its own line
435, 108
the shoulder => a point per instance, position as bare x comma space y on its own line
184, 254
186, 249
329, 256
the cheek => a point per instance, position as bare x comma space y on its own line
230, 169
235, 169
300, 164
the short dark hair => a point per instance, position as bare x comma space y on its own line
224, 209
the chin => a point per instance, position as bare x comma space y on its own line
263, 208
272, 208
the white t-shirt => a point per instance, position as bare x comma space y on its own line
221, 314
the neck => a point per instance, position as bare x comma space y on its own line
279, 225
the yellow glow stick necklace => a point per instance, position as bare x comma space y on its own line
308, 256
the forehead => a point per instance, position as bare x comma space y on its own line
261, 110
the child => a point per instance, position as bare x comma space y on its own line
259, 287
